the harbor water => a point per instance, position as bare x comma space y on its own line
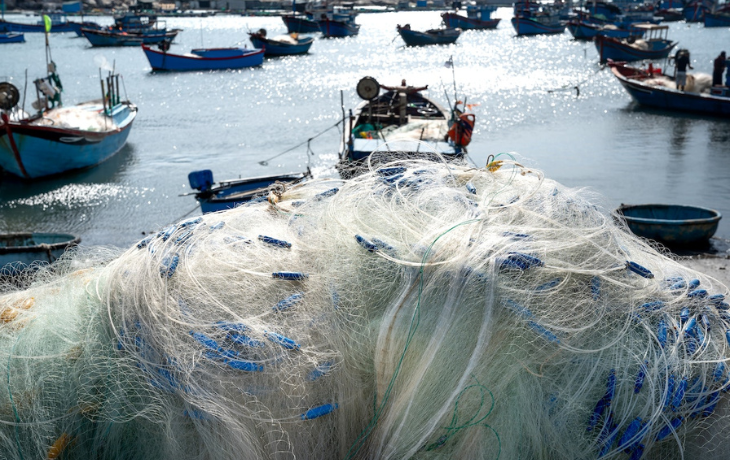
545, 99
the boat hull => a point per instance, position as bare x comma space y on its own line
669, 99
275, 48
454, 20
301, 25
12, 37
102, 38
6, 26
20, 252
204, 59
415, 38
330, 28
587, 31
673, 225
32, 152
229, 194
717, 20
614, 49
527, 26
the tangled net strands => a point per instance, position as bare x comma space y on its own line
420, 310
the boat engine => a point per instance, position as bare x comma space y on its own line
9, 96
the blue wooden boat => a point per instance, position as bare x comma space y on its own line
655, 45
228, 194
283, 45
717, 19
672, 225
584, 30
694, 11
107, 37
12, 37
204, 59
335, 28
301, 24
59, 24
444, 36
478, 17
401, 121
77, 26
21, 252
537, 25
59, 138
648, 90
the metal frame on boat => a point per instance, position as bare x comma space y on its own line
400, 123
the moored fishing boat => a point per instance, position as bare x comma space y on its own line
718, 19
218, 196
338, 22
335, 28
532, 18
401, 119
55, 23
582, 30
20, 252
654, 45
443, 36
658, 90
204, 59
283, 45
57, 138
107, 37
477, 17
12, 37
300, 23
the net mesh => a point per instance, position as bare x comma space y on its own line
419, 310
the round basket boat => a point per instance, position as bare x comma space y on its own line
670, 224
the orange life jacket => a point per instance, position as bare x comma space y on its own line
460, 131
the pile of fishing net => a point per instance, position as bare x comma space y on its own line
419, 310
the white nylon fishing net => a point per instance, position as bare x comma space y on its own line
416, 311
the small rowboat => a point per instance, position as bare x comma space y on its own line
228, 194
12, 37
204, 59
672, 225
122, 38
24, 251
283, 45
444, 36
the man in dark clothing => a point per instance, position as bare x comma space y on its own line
681, 60
717, 69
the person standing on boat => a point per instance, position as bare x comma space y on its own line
681, 61
717, 69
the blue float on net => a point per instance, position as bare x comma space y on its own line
274, 241
319, 411
292, 276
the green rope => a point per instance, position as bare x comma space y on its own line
415, 319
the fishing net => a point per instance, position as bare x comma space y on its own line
419, 310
